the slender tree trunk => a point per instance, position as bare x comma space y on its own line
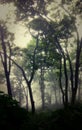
66, 82
26, 96
5, 62
60, 82
74, 92
71, 72
8, 84
79, 89
28, 85
42, 88
29, 89
77, 65
31, 98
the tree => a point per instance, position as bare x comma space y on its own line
55, 37
78, 53
29, 78
60, 28
45, 59
6, 39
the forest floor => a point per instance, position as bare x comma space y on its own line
12, 117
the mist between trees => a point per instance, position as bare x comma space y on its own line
48, 72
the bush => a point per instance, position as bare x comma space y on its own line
11, 115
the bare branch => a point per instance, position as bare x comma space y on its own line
23, 72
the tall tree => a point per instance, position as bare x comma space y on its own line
28, 77
60, 26
6, 43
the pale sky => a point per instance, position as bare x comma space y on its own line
22, 36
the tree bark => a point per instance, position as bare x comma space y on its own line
74, 92
5, 62
8, 84
31, 98
77, 65
60, 82
66, 82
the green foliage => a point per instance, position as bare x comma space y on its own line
66, 27
28, 54
46, 55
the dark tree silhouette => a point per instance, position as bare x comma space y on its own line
6, 50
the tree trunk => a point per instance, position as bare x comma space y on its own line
42, 87
71, 71
60, 82
8, 84
74, 92
66, 82
28, 86
6, 64
77, 65
31, 98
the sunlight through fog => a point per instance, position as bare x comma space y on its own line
7, 13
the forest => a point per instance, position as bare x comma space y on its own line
41, 82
